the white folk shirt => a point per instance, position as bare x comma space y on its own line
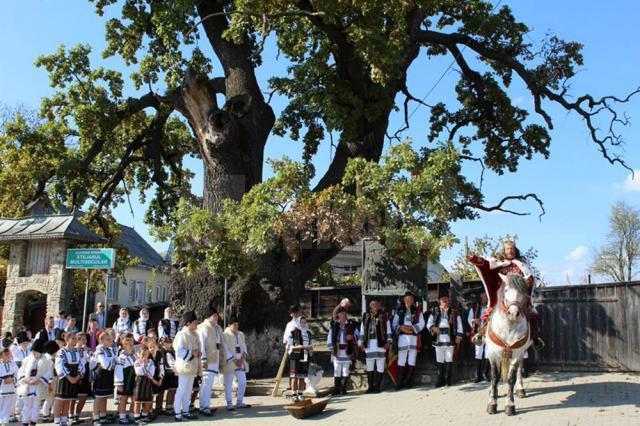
407, 342
39, 372
19, 354
139, 329
67, 357
287, 331
372, 350
342, 355
471, 316
105, 358
124, 360
8, 369
443, 337
121, 326
144, 370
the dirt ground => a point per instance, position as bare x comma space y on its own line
553, 399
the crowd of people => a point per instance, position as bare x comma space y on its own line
150, 371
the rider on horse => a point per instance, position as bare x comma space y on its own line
508, 262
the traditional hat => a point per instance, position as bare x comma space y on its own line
38, 346
209, 311
59, 334
189, 316
409, 293
233, 319
294, 308
51, 347
22, 337
6, 342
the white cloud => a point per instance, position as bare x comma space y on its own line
632, 183
578, 253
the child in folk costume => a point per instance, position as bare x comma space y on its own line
170, 380
342, 344
446, 327
51, 349
8, 379
375, 339
143, 392
187, 365
300, 349
34, 376
19, 351
210, 334
125, 376
70, 370
122, 324
236, 365
105, 362
408, 322
156, 356
84, 385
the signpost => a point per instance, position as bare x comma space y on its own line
90, 258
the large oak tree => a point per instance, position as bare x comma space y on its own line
347, 74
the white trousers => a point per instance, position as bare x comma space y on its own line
18, 406
444, 353
375, 363
7, 407
182, 399
407, 357
241, 376
208, 378
481, 351
30, 409
341, 368
48, 405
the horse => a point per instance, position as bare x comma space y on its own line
508, 337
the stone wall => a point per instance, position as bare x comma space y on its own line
55, 285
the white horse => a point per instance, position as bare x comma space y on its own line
508, 337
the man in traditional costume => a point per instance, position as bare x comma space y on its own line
187, 347
475, 321
510, 261
342, 344
210, 334
375, 340
236, 352
407, 324
445, 325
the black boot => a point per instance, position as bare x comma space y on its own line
400, 382
409, 380
448, 373
440, 370
378, 378
336, 386
343, 388
478, 371
486, 366
525, 368
372, 383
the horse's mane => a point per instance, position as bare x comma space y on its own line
516, 281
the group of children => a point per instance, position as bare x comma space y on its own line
49, 379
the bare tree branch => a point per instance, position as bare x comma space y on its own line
499, 206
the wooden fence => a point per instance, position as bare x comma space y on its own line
590, 327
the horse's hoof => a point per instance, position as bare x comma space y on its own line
520, 393
492, 408
510, 410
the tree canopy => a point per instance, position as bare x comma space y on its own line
94, 142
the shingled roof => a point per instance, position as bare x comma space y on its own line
66, 226
138, 247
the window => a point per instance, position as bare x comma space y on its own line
157, 293
112, 287
141, 288
132, 290
164, 294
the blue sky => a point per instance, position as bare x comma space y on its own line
576, 184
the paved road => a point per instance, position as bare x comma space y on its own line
554, 399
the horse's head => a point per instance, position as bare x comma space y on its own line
512, 295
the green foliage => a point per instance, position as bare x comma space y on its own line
402, 201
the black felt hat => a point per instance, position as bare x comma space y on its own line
294, 308
233, 319
51, 347
209, 311
38, 346
189, 316
22, 337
